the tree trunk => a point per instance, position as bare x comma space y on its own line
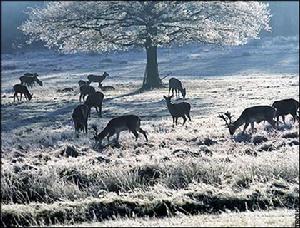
151, 76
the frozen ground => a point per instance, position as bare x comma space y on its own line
177, 163
279, 218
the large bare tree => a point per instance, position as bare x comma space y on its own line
117, 25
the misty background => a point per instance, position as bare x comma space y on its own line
284, 22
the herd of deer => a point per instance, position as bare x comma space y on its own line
132, 123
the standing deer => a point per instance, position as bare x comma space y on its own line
29, 79
18, 88
181, 109
249, 116
176, 85
82, 82
86, 90
95, 100
285, 107
118, 124
97, 78
80, 117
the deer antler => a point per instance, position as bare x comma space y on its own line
229, 116
226, 117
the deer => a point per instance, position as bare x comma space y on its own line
118, 124
80, 117
285, 107
82, 82
95, 100
29, 79
86, 90
18, 88
177, 110
97, 78
249, 116
176, 85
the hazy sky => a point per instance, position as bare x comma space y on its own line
284, 21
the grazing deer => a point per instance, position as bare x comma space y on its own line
181, 109
95, 100
118, 124
86, 90
249, 116
176, 85
97, 78
18, 88
285, 107
80, 117
29, 79
82, 82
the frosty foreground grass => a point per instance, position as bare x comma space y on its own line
190, 169
278, 218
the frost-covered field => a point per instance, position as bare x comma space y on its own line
278, 218
187, 169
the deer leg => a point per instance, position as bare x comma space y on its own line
144, 133
118, 135
85, 126
283, 119
173, 92
245, 127
169, 91
184, 120
271, 121
294, 114
176, 118
15, 97
173, 120
252, 127
21, 96
277, 121
135, 134
100, 110
188, 115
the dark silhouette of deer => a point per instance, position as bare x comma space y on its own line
95, 100
86, 90
97, 78
121, 123
18, 88
177, 110
176, 85
80, 117
249, 116
82, 82
285, 107
29, 79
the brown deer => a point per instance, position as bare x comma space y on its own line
249, 116
285, 107
95, 100
176, 85
86, 90
29, 79
80, 117
97, 78
118, 124
177, 110
18, 88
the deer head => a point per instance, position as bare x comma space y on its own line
227, 117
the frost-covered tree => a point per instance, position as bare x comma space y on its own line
117, 25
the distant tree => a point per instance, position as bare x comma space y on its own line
119, 25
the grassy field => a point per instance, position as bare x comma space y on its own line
278, 218
191, 169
